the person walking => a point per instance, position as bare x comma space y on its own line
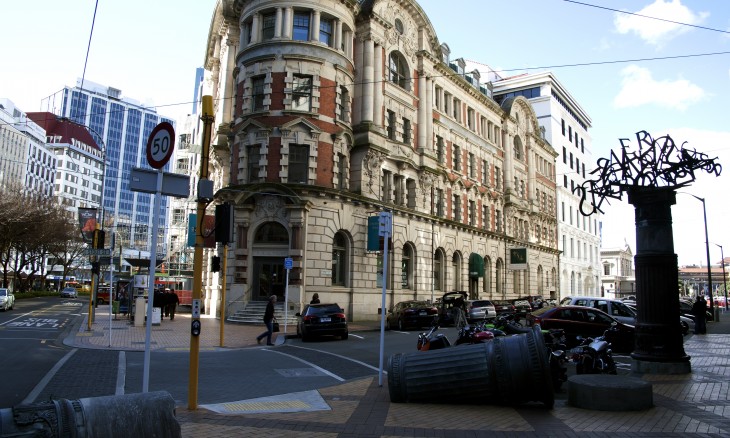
172, 301
699, 311
315, 299
269, 321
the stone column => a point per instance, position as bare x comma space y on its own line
338, 36
422, 110
378, 86
658, 347
255, 26
368, 86
508, 163
314, 36
286, 27
279, 24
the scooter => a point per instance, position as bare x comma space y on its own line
594, 356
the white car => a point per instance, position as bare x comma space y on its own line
7, 299
69, 292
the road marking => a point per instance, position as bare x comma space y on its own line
357, 336
339, 356
305, 401
47, 378
121, 373
334, 376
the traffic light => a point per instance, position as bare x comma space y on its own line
215, 264
99, 239
95, 268
224, 223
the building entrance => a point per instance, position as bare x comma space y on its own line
269, 278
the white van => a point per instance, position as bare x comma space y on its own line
615, 308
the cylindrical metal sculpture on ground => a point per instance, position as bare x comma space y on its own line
150, 414
506, 370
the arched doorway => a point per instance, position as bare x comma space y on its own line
270, 247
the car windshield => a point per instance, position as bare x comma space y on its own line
412, 304
3, 292
323, 310
481, 303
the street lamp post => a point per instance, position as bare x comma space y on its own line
707, 248
724, 280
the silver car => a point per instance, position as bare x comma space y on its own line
69, 292
477, 310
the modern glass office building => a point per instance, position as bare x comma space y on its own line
121, 127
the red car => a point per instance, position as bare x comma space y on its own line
585, 322
412, 313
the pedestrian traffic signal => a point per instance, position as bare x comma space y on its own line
215, 264
99, 239
95, 268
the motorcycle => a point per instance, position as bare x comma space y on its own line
594, 356
467, 335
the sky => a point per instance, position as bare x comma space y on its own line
607, 60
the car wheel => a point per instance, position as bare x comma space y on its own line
685, 327
401, 327
345, 336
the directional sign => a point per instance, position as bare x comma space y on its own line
160, 145
98, 252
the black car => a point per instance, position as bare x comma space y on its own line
412, 313
504, 307
579, 321
322, 319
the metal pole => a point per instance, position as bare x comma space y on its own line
707, 248
223, 295
709, 267
386, 224
207, 119
724, 278
151, 293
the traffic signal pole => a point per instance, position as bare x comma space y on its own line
207, 119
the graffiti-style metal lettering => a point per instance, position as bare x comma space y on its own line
656, 163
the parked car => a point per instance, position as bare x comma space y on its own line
522, 307
581, 321
320, 320
687, 324
504, 307
7, 299
478, 310
412, 314
535, 301
69, 292
447, 303
616, 308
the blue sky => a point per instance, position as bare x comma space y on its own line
150, 49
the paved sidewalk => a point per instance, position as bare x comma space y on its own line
696, 404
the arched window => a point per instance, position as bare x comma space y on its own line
407, 263
498, 278
456, 265
339, 260
539, 280
487, 277
438, 270
398, 70
271, 232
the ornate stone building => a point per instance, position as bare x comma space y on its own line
328, 112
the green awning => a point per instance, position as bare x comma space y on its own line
476, 265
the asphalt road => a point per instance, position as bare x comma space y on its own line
42, 368
31, 343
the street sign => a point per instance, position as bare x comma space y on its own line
160, 145
98, 252
288, 263
173, 184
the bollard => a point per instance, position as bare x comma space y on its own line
150, 414
506, 370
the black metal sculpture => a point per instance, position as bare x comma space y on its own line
650, 177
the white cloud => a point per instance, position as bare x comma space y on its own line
656, 32
640, 88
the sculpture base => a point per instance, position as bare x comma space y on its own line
639, 366
603, 392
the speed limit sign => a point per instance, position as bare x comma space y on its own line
160, 145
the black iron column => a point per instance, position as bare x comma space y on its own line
658, 345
